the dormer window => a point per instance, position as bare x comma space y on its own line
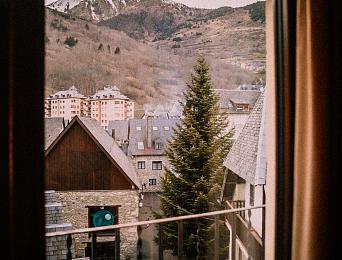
140, 146
138, 128
155, 128
159, 146
166, 128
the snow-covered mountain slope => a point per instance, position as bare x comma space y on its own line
63, 5
95, 10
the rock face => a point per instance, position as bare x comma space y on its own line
76, 203
91, 10
56, 247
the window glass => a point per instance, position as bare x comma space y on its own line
157, 165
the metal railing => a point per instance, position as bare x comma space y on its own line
92, 232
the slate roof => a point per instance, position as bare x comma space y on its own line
72, 92
109, 92
106, 143
161, 135
130, 130
53, 127
230, 97
121, 129
247, 157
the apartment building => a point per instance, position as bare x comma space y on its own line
109, 104
66, 104
105, 105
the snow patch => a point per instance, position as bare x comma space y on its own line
93, 15
112, 4
63, 5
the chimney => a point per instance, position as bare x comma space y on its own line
149, 131
113, 133
124, 147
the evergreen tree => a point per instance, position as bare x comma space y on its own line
192, 182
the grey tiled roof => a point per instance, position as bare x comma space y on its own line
72, 92
160, 135
135, 130
109, 92
108, 144
53, 127
120, 127
247, 157
229, 97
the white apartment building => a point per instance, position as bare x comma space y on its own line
109, 104
66, 104
105, 105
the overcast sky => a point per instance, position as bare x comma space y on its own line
215, 3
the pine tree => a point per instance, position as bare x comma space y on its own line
192, 182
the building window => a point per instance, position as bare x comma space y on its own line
157, 165
141, 164
159, 146
152, 182
251, 195
140, 146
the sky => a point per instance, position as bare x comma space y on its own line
215, 3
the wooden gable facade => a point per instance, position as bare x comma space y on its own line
76, 161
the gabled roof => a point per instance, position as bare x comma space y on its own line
159, 135
106, 143
135, 130
228, 98
53, 127
247, 157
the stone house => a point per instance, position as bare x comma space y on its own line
238, 103
244, 185
90, 173
144, 141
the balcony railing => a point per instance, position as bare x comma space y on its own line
99, 246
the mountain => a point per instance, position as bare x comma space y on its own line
97, 10
90, 56
92, 10
233, 35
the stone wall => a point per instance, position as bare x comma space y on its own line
145, 174
56, 247
75, 211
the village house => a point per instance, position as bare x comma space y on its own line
238, 103
144, 141
91, 175
105, 105
244, 186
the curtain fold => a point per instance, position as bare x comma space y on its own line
311, 232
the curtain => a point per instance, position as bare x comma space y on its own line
314, 202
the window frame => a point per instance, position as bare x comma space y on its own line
141, 165
152, 182
159, 165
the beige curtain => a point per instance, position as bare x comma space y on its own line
312, 162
